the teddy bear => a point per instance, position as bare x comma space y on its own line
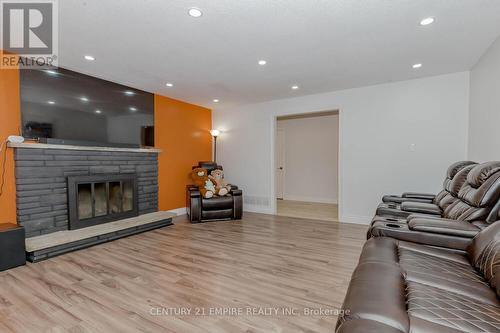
205, 185
217, 177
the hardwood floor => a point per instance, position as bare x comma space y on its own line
308, 210
130, 284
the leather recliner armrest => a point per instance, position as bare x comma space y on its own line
193, 203
425, 216
404, 233
392, 198
416, 195
398, 199
193, 191
444, 227
421, 207
237, 204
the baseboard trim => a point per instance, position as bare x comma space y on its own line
354, 219
178, 211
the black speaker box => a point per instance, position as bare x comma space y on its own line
12, 248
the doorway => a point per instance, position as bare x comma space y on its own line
306, 165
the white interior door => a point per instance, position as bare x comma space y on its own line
280, 163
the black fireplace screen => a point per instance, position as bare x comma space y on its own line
101, 199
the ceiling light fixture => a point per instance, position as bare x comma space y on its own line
416, 66
84, 99
195, 12
51, 102
169, 85
295, 87
133, 109
216, 100
427, 21
89, 58
262, 62
98, 111
129, 93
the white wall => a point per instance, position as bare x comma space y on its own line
484, 130
377, 126
311, 149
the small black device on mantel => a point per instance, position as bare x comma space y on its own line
59, 106
12, 248
148, 136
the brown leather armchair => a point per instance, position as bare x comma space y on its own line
199, 209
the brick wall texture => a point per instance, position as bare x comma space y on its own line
41, 182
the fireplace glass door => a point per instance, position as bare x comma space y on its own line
95, 199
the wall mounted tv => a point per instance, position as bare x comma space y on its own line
65, 107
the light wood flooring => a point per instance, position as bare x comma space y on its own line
128, 285
308, 210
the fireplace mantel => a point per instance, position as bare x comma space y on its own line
86, 148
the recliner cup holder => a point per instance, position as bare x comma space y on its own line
392, 225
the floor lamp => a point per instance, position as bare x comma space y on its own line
215, 133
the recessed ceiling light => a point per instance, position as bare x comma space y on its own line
295, 87
169, 84
98, 111
427, 21
51, 102
89, 58
132, 109
51, 72
195, 12
216, 100
129, 93
416, 66
262, 62
84, 99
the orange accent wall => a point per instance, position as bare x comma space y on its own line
10, 122
182, 132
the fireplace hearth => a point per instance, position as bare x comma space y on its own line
100, 199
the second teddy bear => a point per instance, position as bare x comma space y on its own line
217, 177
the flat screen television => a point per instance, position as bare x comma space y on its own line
65, 107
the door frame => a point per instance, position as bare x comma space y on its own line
276, 166
274, 126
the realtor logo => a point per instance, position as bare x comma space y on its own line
29, 30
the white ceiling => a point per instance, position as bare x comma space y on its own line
320, 45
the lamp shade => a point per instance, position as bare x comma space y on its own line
215, 132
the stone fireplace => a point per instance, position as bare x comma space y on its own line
69, 187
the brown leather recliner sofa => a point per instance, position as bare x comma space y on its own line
401, 286
472, 205
199, 209
392, 205
394, 201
